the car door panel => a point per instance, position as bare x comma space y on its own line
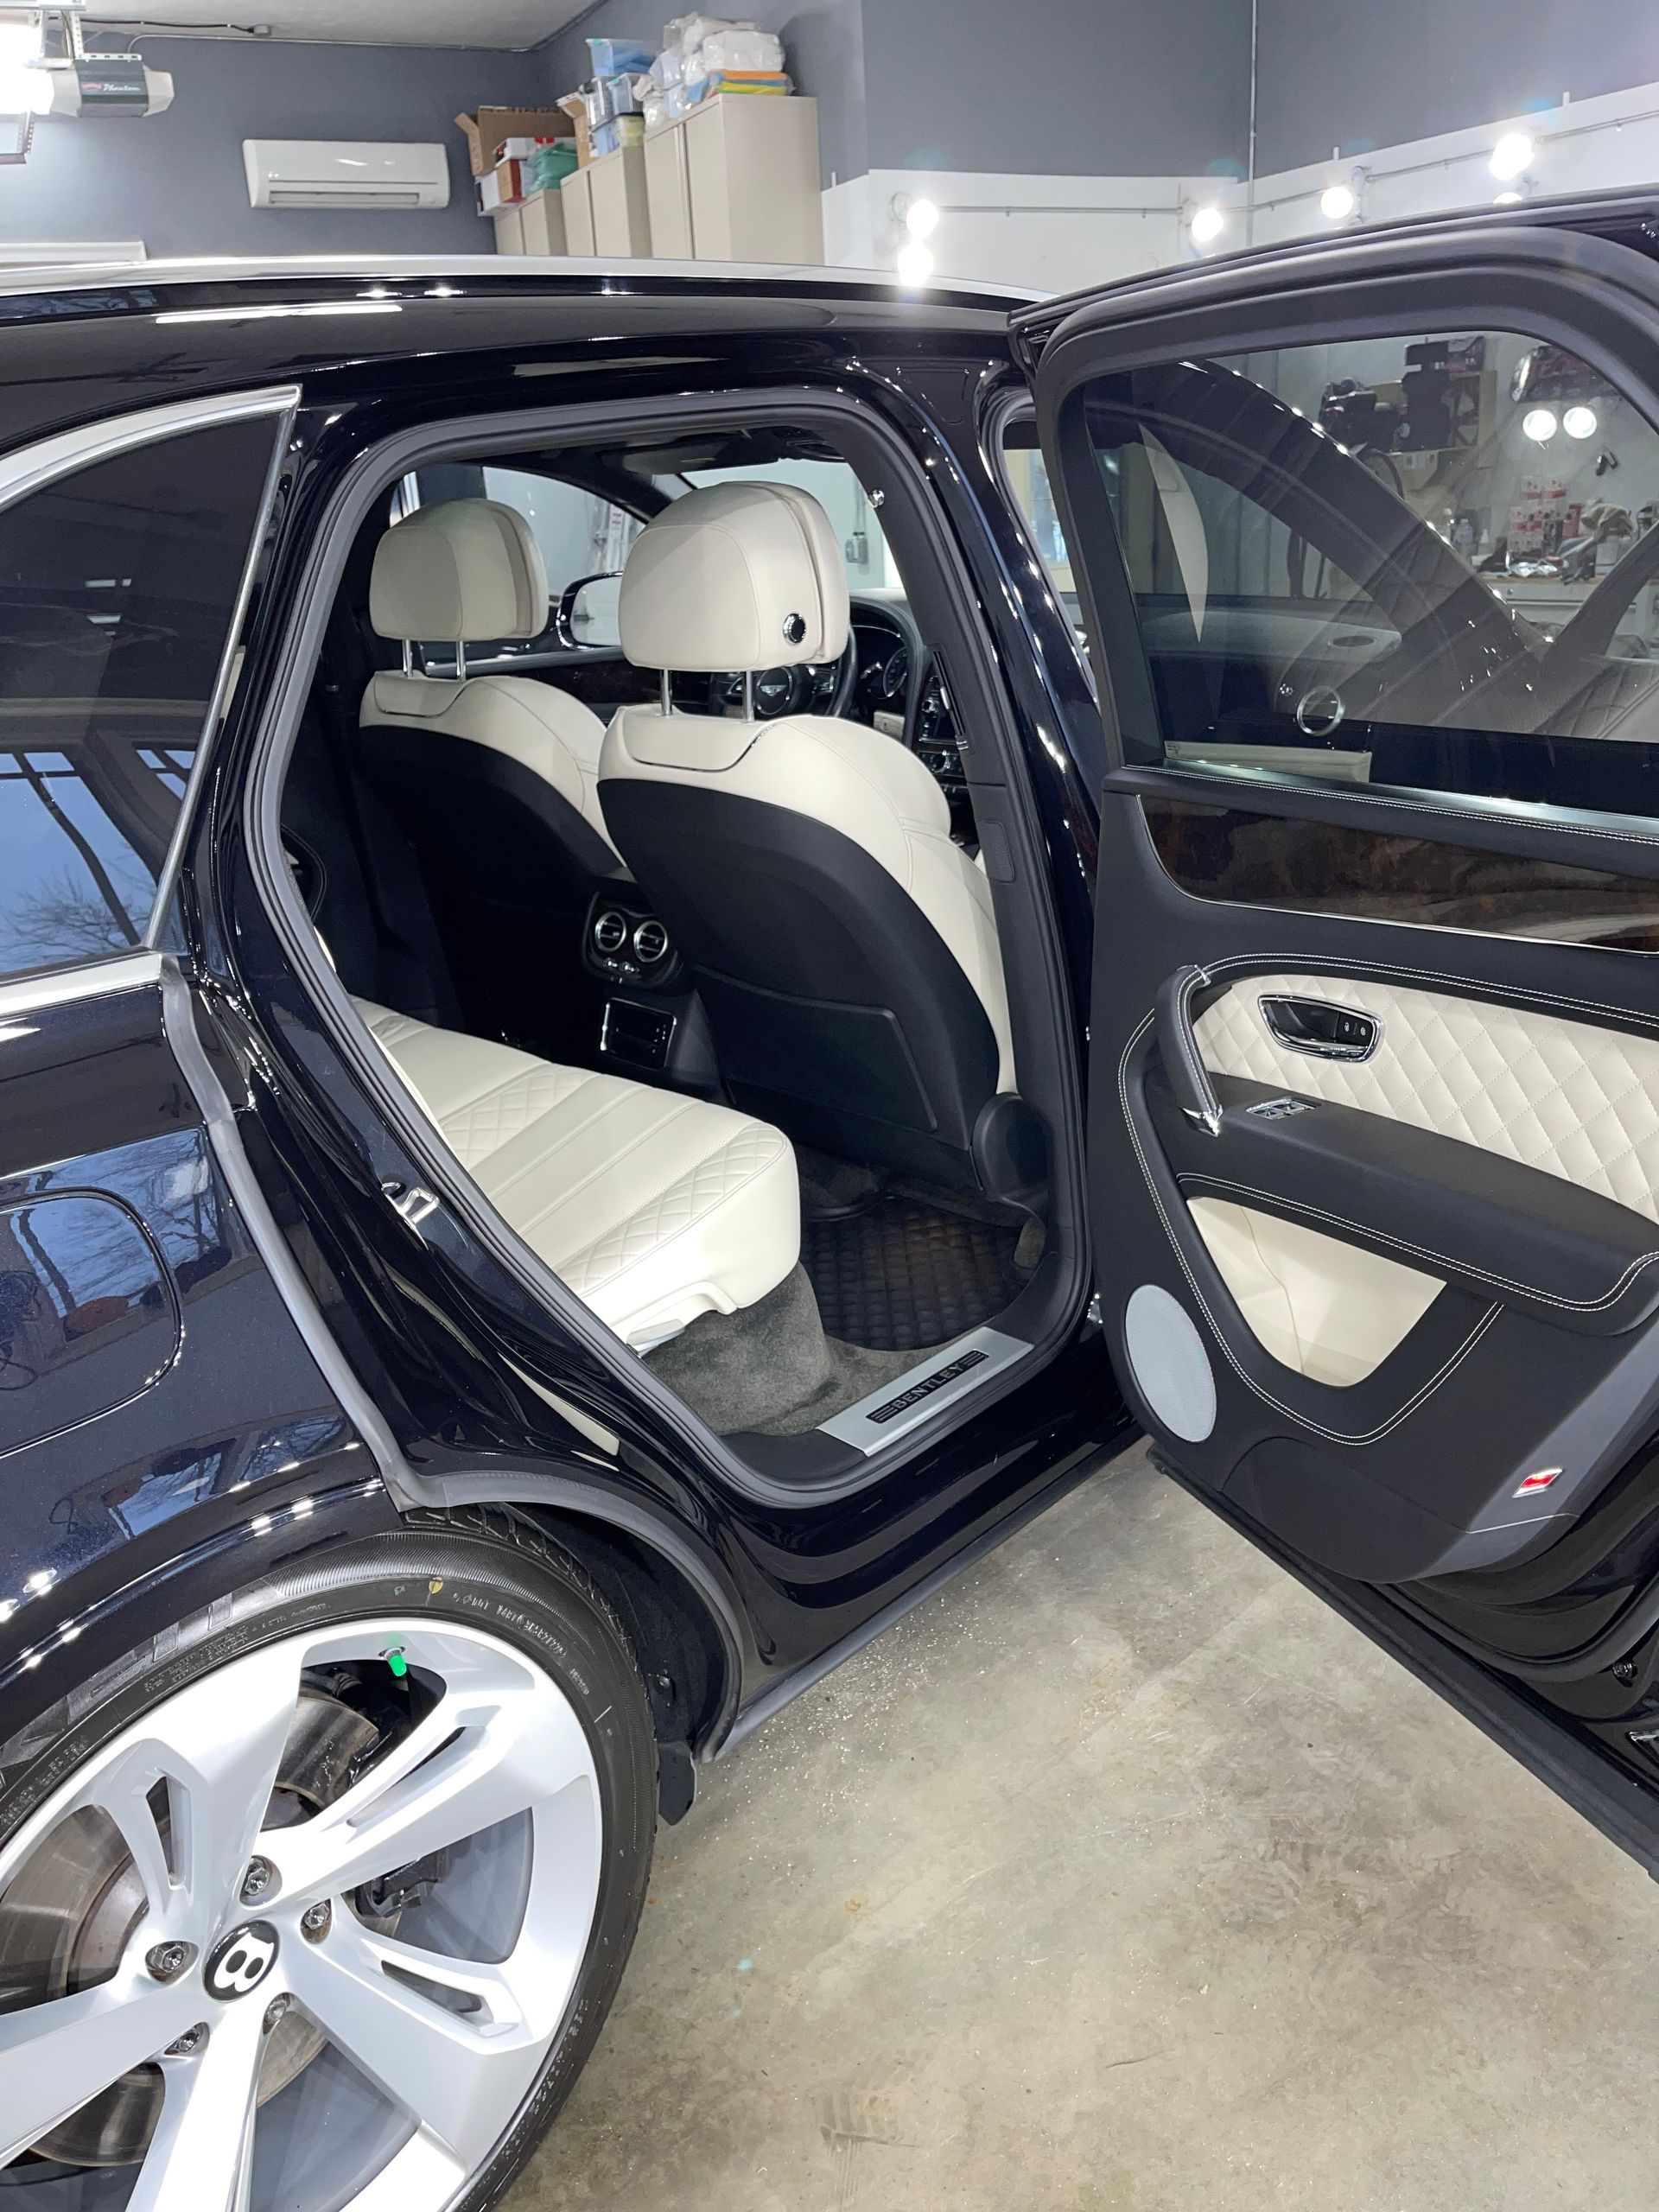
1409, 1468
1374, 1095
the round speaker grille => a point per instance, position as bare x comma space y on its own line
1171, 1367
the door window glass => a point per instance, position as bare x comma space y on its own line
836, 487
1427, 561
117, 585
580, 534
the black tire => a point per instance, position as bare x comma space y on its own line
489, 1570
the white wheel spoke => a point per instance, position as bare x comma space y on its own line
217, 1745
55, 2056
200, 2158
460, 2074
123, 1791
500, 1740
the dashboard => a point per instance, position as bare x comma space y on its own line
897, 688
900, 691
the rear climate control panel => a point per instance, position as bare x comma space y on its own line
623, 942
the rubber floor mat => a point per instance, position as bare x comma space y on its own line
901, 1275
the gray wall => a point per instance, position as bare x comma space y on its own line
1052, 87
1059, 87
822, 39
1359, 74
176, 179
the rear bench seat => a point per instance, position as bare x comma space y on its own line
651, 1207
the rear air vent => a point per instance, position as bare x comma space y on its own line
611, 930
650, 941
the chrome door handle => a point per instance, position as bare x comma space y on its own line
1321, 1027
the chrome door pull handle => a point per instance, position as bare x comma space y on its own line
1322, 1027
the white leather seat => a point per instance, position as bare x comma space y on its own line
458, 573
651, 1207
846, 949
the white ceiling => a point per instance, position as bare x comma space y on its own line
511, 23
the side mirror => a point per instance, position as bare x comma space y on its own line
588, 619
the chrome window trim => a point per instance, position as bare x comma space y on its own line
87, 979
32, 467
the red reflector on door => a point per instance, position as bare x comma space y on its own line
1541, 1480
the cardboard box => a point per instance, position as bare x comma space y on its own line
486, 131
504, 186
574, 108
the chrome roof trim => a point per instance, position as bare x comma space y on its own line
103, 276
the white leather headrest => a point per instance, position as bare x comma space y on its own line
735, 577
466, 569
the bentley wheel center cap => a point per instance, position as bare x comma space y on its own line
238, 1962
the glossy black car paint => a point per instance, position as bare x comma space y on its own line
739, 1593
748, 1586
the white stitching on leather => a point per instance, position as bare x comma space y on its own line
1335, 1435
1275, 1203
1562, 1098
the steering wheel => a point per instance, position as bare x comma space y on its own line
780, 691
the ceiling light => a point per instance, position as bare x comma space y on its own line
915, 262
1539, 423
21, 37
1338, 202
23, 90
1512, 156
1579, 422
1207, 224
921, 218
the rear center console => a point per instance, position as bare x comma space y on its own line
652, 1022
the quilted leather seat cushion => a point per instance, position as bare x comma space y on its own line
651, 1207
1569, 1097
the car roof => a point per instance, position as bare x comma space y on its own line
514, 269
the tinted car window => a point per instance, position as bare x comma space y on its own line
118, 586
1427, 561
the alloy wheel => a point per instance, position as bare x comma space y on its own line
303, 1934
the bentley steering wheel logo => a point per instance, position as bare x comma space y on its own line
239, 1962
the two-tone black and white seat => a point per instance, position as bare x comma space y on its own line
845, 948
493, 778
653, 1208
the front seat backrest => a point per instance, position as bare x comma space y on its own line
493, 778
846, 950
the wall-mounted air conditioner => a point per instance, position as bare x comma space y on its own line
344, 173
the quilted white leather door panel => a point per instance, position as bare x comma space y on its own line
1575, 1100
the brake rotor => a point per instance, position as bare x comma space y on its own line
66, 1917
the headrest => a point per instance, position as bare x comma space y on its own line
735, 577
464, 570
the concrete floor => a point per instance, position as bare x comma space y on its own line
1123, 1875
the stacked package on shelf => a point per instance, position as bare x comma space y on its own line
615, 98
704, 56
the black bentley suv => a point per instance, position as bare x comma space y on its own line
671, 942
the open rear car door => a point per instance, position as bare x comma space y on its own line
1366, 539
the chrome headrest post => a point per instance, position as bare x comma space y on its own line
409, 656
748, 694
668, 691
461, 660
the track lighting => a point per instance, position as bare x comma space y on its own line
1207, 223
1512, 156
